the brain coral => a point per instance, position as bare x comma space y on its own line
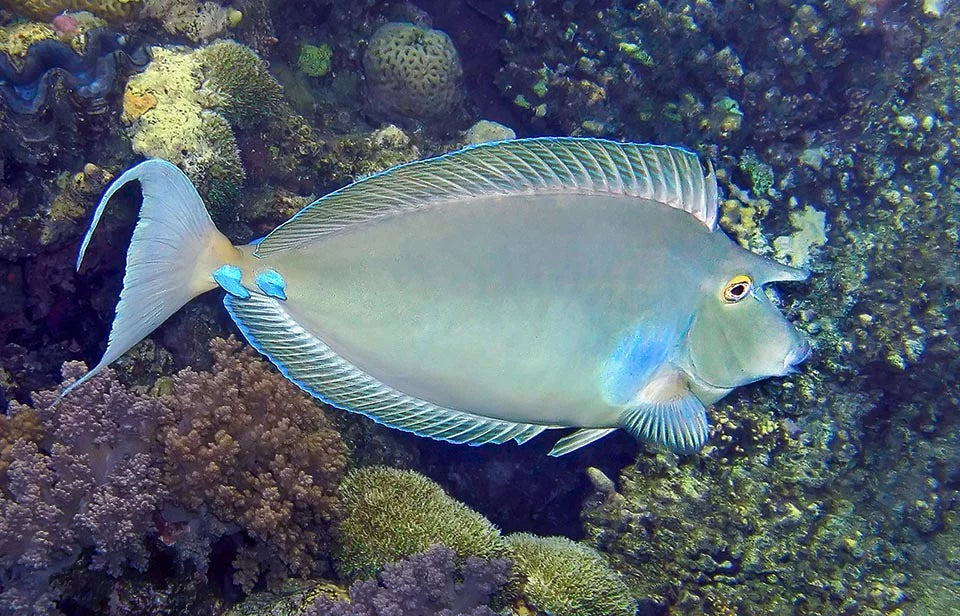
114, 10
413, 73
566, 578
393, 514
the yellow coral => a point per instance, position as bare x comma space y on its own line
16, 40
114, 10
135, 105
173, 124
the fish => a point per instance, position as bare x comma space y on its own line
484, 295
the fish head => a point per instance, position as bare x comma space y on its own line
737, 334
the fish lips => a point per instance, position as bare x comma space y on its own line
796, 357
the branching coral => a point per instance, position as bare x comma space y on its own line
425, 583
413, 73
392, 514
90, 480
251, 448
566, 578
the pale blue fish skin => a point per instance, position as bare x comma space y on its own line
511, 309
493, 293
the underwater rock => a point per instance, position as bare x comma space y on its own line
181, 108
485, 131
413, 74
198, 20
187, 106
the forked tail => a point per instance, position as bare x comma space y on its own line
174, 250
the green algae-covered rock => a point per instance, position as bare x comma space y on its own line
314, 61
566, 578
393, 514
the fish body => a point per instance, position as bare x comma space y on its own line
490, 294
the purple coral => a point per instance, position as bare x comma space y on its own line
426, 584
89, 479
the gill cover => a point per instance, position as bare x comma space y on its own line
736, 339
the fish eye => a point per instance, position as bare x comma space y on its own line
737, 288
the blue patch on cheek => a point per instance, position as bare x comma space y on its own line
632, 363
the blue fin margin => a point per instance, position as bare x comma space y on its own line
314, 367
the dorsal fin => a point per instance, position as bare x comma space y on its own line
666, 174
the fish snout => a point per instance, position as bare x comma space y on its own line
797, 356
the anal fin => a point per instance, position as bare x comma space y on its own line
667, 413
580, 438
320, 371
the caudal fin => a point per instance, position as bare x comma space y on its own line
170, 258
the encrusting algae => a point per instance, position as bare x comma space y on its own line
112, 10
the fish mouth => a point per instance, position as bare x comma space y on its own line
796, 357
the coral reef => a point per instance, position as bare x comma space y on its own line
752, 544
178, 109
46, 63
250, 448
16, 39
88, 478
485, 131
23, 426
391, 514
113, 10
413, 73
429, 582
239, 84
565, 578
52, 96
833, 130
186, 107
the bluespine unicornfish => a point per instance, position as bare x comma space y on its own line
485, 295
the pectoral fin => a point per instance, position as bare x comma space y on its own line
668, 414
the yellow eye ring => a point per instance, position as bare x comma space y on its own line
737, 288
